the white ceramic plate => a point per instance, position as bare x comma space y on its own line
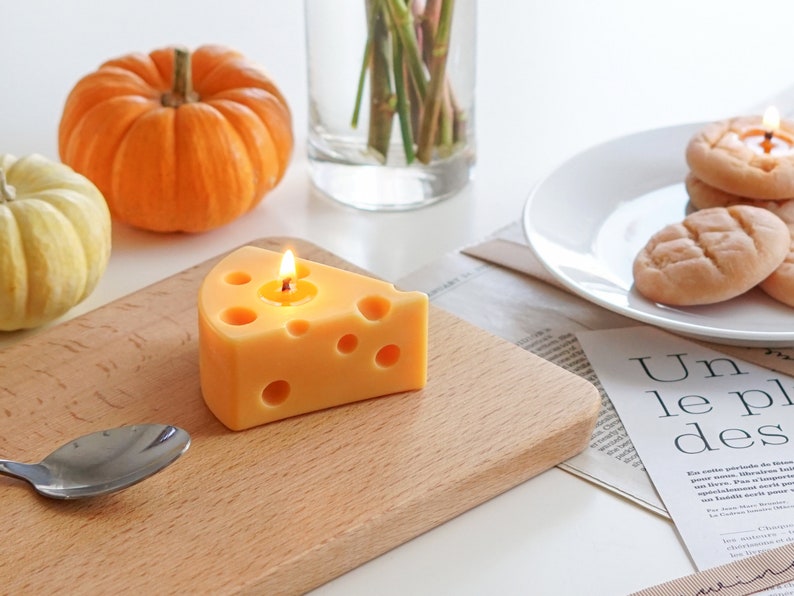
590, 217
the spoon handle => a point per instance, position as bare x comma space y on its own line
29, 472
7, 468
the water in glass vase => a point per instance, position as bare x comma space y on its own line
391, 100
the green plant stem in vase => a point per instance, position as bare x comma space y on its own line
405, 60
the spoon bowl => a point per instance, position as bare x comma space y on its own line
102, 462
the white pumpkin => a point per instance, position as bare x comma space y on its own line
54, 240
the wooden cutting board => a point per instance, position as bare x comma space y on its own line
280, 508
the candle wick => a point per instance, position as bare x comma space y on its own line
768, 144
286, 284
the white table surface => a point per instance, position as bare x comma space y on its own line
554, 77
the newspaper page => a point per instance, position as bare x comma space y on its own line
714, 433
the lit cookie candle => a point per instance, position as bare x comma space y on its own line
768, 139
748, 156
276, 342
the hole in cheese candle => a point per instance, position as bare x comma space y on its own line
237, 278
238, 315
269, 349
347, 343
297, 327
374, 308
388, 355
275, 393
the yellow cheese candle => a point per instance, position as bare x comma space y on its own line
275, 344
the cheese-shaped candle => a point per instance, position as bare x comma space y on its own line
270, 348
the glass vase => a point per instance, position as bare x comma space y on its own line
391, 100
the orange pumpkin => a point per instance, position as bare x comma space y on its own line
178, 142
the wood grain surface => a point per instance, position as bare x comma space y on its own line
280, 508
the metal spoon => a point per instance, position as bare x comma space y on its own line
103, 462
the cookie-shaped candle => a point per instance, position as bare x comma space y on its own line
748, 156
712, 255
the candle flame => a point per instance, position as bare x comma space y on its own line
771, 120
288, 271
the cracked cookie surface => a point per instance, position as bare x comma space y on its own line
719, 156
712, 255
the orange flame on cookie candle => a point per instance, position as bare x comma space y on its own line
771, 123
771, 119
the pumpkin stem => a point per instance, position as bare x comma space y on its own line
182, 85
7, 192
